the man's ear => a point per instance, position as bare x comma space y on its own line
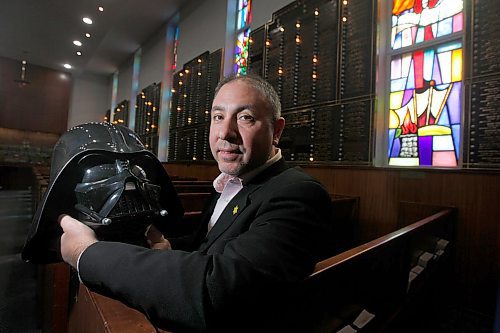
279, 125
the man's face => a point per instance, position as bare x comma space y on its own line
242, 132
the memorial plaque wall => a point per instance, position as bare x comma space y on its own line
273, 65
355, 130
307, 58
322, 68
290, 53
486, 38
327, 96
484, 121
213, 78
120, 113
192, 95
147, 116
325, 51
357, 41
256, 51
484, 126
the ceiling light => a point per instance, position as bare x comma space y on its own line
87, 20
77, 43
101, 8
67, 66
78, 53
87, 35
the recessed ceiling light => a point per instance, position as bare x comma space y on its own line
101, 8
87, 20
87, 35
78, 53
68, 66
77, 43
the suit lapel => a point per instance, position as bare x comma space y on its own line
238, 204
233, 209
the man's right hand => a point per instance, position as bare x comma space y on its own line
75, 239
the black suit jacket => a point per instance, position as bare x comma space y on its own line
238, 276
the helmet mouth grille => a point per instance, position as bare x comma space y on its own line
132, 203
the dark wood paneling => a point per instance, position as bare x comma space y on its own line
41, 105
475, 194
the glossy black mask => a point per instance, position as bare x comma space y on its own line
102, 175
116, 195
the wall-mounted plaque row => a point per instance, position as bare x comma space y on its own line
192, 95
147, 116
120, 113
319, 55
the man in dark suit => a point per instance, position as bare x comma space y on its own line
264, 231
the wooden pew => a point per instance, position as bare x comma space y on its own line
40, 183
193, 202
54, 279
193, 186
109, 315
381, 278
345, 220
95, 313
375, 277
53, 294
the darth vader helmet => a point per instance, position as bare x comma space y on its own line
102, 175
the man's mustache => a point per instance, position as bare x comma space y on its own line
226, 145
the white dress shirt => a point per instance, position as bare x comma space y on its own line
228, 186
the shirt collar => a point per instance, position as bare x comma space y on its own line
221, 180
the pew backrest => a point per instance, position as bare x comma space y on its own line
376, 278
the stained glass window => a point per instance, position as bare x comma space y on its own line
416, 21
176, 47
244, 14
241, 52
244, 18
425, 101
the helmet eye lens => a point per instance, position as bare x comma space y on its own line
99, 172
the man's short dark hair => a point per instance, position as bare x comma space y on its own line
264, 87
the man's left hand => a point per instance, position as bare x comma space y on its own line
156, 240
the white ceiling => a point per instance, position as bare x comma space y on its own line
42, 31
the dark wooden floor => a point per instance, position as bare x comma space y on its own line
18, 311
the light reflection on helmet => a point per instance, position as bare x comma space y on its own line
102, 175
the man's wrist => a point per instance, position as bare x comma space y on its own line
78, 253
77, 264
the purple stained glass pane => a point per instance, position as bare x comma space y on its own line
425, 150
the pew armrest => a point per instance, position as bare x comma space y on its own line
96, 313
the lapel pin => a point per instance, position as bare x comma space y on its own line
235, 210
